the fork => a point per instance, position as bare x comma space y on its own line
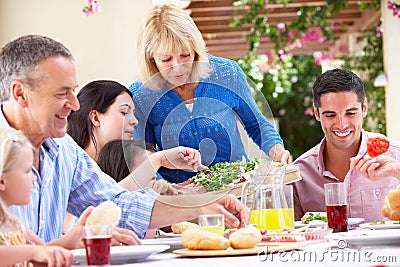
365, 153
201, 166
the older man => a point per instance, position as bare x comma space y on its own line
340, 106
37, 79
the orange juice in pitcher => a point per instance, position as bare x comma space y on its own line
272, 203
273, 219
272, 207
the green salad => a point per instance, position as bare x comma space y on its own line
315, 216
223, 174
375, 222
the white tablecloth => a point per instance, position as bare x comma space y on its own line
347, 257
315, 255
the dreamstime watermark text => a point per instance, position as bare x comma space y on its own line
339, 255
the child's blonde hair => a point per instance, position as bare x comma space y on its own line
12, 144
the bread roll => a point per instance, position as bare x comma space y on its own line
179, 228
386, 211
105, 213
245, 238
394, 198
391, 206
202, 240
395, 215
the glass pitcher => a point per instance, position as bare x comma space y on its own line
271, 201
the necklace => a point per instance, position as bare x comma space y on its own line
186, 91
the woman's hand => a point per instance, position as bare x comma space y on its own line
171, 190
52, 256
174, 158
40, 255
180, 158
279, 154
162, 187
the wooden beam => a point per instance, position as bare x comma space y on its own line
214, 16
366, 22
209, 27
297, 4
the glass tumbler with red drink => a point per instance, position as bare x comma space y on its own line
336, 206
97, 240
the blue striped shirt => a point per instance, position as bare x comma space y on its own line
69, 180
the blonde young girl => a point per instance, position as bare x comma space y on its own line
19, 245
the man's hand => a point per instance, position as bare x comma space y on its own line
188, 207
234, 211
72, 239
376, 168
121, 236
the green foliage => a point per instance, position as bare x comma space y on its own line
286, 81
369, 62
308, 17
299, 130
288, 90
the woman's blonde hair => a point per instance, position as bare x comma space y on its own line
169, 30
12, 144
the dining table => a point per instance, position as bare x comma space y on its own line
357, 247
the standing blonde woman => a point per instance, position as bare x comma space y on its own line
186, 97
18, 245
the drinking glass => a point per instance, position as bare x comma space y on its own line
213, 223
336, 206
97, 240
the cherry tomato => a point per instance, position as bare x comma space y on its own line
377, 146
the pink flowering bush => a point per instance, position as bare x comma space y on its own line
391, 5
93, 7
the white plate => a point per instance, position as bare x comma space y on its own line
350, 221
123, 254
298, 224
174, 243
366, 237
387, 225
172, 235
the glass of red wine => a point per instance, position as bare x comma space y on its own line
97, 240
336, 206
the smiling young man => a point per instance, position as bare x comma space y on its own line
340, 106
